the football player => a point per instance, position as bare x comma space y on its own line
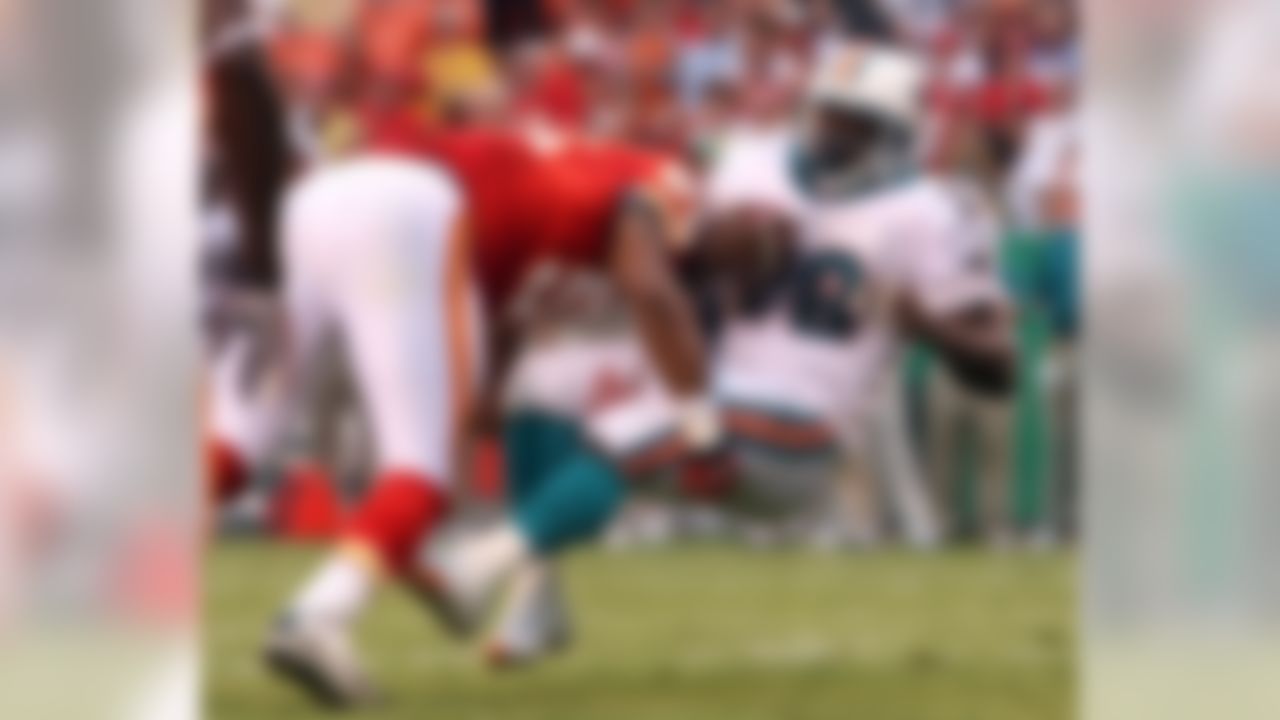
422, 254
824, 252
248, 161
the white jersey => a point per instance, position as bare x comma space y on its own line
822, 349
827, 341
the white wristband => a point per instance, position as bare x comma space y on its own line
699, 422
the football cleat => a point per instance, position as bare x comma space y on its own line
534, 622
319, 658
458, 613
461, 581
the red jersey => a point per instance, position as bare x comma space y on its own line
535, 198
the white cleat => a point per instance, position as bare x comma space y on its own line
460, 613
534, 622
318, 657
462, 580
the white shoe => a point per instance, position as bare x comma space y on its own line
318, 657
462, 580
534, 622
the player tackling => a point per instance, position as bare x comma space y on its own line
418, 255
825, 251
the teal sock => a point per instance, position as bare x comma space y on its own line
573, 503
534, 444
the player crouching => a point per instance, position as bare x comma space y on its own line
812, 321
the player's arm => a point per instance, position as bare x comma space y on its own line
956, 304
503, 345
641, 265
975, 341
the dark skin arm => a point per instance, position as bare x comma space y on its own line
667, 321
502, 343
640, 265
975, 343
644, 273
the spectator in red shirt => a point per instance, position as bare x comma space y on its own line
1008, 98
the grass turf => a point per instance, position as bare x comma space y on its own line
700, 633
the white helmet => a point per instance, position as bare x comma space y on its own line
877, 79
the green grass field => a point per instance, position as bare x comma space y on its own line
700, 634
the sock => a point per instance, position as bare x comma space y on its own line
534, 443
574, 503
338, 590
401, 509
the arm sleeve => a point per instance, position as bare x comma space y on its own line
954, 254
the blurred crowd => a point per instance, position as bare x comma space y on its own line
673, 73
679, 74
